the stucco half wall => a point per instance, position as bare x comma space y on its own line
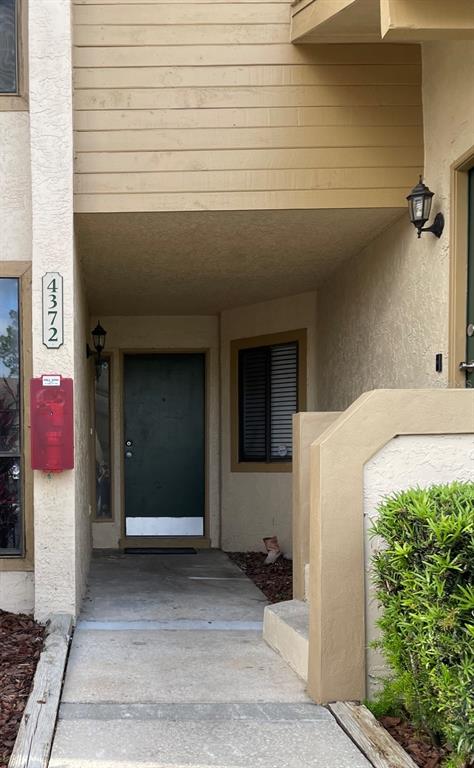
337, 653
407, 461
258, 504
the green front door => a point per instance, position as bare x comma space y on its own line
164, 444
470, 287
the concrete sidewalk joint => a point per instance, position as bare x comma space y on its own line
171, 626
268, 712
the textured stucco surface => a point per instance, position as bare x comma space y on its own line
60, 533
307, 427
16, 588
17, 591
208, 261
407, 462
15, 187
258, 504
383, 315
160, 334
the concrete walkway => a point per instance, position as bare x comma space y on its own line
168, 669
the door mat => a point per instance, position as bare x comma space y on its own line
160, 551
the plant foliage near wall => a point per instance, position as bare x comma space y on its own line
424, 578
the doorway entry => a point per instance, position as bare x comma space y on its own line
469, 369
164, 444
461, 347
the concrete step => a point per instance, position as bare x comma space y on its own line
286, 630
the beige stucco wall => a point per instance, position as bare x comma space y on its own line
307, 427
259, 504
61, 525
16, 588
17, 591
15, 187
162, 333
383, 315
405, 462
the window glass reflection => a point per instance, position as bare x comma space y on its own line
10, 395
10, 507
8, 53
9, 367
102, 443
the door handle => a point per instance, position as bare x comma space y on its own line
468, 367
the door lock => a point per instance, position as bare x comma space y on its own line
468, 367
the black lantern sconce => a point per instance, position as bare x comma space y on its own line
98, 338
419, 207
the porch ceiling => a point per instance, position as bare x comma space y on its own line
193, 263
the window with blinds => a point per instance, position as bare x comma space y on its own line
268, 398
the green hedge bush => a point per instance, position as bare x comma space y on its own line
424, 579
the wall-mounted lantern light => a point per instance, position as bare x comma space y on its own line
98, 338
419, 207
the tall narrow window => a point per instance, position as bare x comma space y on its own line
268, 398
103, 510
8, 47
11, 518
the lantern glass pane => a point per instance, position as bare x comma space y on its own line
418, 209
427, 207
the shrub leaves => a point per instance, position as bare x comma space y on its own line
424, 579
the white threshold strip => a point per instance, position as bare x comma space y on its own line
164, 526
171, 625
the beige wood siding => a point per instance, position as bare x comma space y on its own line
206, 105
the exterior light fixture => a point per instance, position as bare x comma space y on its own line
419, 207
98, 338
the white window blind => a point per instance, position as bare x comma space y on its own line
268, 398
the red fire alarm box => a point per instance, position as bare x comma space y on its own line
52, 425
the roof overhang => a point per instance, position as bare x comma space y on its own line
362, 21
418, 20
336, 21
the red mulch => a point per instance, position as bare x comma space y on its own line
419, 747
21, 641
275, 581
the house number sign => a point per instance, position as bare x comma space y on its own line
53, 318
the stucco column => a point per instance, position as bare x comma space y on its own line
57, 571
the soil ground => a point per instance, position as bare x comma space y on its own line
21, 641
275, 580
420, 748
